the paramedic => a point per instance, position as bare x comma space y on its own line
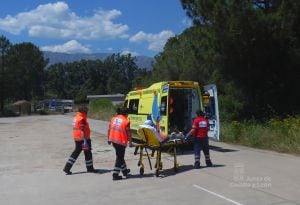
81, 135
119, 135
199, 130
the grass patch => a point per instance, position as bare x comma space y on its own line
282, 135
102, 109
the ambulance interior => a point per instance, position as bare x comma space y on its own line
183, 103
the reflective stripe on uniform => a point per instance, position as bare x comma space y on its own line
119, 130
123, 167
75, 128
71, 160
116, 170
89, 162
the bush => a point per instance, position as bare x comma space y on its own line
101, 109
281, 135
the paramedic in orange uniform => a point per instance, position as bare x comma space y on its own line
81, 135
119, 135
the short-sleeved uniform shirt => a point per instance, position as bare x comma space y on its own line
201, 125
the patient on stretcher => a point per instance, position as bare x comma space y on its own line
151, 129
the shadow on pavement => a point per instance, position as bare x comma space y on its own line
98, 171
220, 149
138, 176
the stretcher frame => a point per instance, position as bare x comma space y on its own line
150, 140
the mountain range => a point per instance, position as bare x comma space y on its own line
55, 57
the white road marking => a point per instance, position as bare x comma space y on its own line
218, 195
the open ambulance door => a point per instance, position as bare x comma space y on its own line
211, 109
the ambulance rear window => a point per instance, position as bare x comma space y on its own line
133, 106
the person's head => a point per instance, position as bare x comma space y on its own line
123, 111
148, 122
199, 113
118, 110
83, 109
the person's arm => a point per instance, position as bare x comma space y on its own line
82, 125
192, 131
129, 134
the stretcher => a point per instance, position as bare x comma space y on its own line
150, 139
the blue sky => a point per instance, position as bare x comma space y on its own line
140, 27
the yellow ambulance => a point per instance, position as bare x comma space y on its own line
172, 106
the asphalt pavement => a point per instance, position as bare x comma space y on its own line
34, 150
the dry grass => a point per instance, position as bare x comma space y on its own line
282, 135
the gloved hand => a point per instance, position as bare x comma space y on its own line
130, 144
108, 142
186, 137
85, 146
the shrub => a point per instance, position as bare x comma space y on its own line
281, 135
101, 109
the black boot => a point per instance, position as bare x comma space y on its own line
67, 169
208, 163
197, 165
116, 177
91, 169
126, 172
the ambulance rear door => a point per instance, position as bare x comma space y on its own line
211, 108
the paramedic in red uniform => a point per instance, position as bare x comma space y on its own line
119, 135
81, 135
199, 131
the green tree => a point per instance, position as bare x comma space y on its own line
26, 66
258, 47
4, 81
123, 71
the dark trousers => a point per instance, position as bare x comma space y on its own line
201, 144
87, 154
120, 164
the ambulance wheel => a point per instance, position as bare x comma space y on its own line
141, 170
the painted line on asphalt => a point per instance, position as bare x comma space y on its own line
218, 195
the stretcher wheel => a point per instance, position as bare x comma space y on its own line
176, 166
142, 170
160, 166
157, 173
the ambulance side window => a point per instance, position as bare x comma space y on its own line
163, 106
133, 106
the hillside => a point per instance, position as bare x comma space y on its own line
141, 61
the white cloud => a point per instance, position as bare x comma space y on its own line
69, 47
156, 41
56, 20
127, 51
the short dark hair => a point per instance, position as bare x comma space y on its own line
123, 111
200, 113
83, 108
118, 110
